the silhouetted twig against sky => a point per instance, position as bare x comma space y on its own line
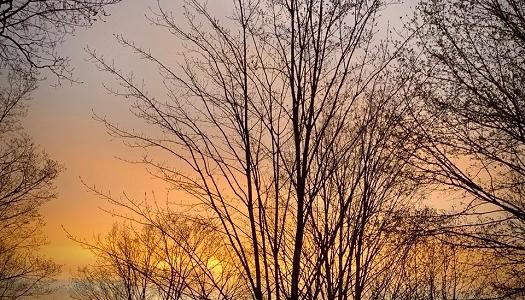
316, 149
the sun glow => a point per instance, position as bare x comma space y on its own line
163, 265
214, 265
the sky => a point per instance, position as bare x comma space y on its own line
60, 120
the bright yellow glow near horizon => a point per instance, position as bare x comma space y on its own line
60, 120
215, 266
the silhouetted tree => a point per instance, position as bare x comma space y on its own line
32, 30
356, 248
30, 33
437, 269
125, 259
26, 182
285, 119
470, 76
177, 258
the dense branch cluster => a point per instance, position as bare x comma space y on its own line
312, 146
26, 182
32, 30
30, 34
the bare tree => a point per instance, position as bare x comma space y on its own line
437, 269
30, 33
125, 259
177, 258
357, 246
26, 182
470, 75
32, 30
284, 121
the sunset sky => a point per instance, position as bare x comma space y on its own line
60, 120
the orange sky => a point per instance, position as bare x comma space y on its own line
60, 121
